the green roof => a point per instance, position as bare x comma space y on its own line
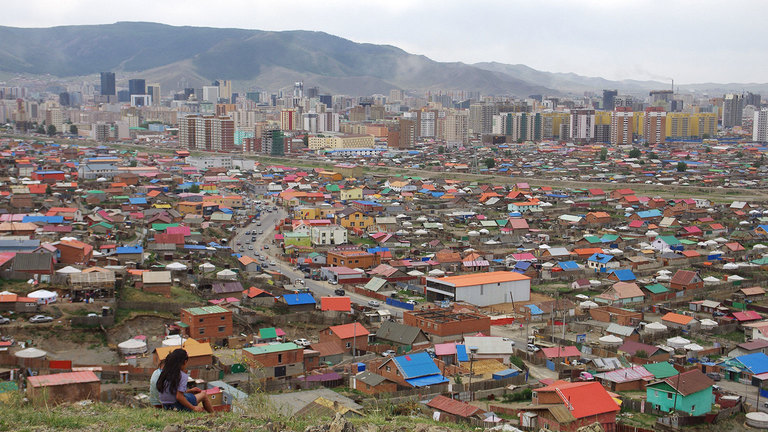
661, 370
592, 239
268, 333
670, 240
163, 227
105, 225
271, 348
121, 197
332, 188
206, 310
657, 288
8, 386
688, 242
94, 191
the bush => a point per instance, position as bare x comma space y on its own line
520, 396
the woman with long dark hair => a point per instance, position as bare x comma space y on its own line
172, 385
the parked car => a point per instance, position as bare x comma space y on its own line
509, 340
714, 376
388, 353
301, 342
339, 292
374, 303
532, 348
4, 320
40, 319
411, 302
333, 282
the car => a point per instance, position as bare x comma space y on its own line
339, 292
301, 342
333, 282
374, 303
411, 302
509, 340
250, 247
388, 353
93, 315
40, 319
253, 239
532, 348
4, 320
266, 246
714, 376
272, 263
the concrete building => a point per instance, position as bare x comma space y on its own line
456, 129
622, 126
209, 323
655, 125
582, 126
207, 132
732, 110
481, 117
760, 126
341, 142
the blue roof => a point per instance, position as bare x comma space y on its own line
426, 380
535, 310
568, 265
601, 258
417, 365
461, 353
649, 213
372, 203
757, 363
522, 265
298, 299
624, 275
195, 247
137, 200
44, 219
49, 172
129, 250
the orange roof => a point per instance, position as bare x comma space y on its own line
340, 304
245, 260
193, 348
677, 318
254, 292
483, 278
347, 331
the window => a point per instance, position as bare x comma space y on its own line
656, 393
693, 408
669, 395
223, 317
397, 372
222, 328
202, 330
349, 345
200, 320
389, 369
279, 358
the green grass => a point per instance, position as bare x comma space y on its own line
178, 295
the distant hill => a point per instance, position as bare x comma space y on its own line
195, 56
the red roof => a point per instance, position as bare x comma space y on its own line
452, 406
347, 331
586, 398
63, 379
747, 316
559, 352
340, 304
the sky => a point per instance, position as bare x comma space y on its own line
689, 41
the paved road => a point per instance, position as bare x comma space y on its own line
268, 221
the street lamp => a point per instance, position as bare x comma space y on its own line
472, 352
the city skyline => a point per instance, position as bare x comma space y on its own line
592, 38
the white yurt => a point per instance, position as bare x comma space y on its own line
708, 324
611, 340
588, 304
420, 232
207, 267
44, 296
655, 327
484, 231
436, 273
132, 347
473, 233
176, 266
173, 340
711, 280
735, 278
68, 270
677, 342
226, 274
693, 349
663, 278
31, 353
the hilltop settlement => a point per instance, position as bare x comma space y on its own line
334, 289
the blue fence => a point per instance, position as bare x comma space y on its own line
399, 304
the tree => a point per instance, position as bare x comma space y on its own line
489, 162
40, 129
707, 149
441, 150
682, 166
306, 141
635, 153
603, 154
133, 163
641, 354
652, 155
51, 130
73, 129
48, 190
194, 189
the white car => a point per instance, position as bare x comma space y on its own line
301, 342
374, 303
388, 353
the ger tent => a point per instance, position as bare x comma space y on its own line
44, 296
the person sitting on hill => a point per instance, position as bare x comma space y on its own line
154, 394
172, 385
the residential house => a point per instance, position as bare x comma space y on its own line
401, 335
685, 280
157, 282
564, 354
621, 293
349, 337
208, 323
74, 252
446, 324
675, 320
601, 262
67, 387
452, 410
200, 355
641, 350
299, 302
690, 392
372, 384
628, 379
412, 370
274, 361
564, 406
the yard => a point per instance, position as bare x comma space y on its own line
178, 295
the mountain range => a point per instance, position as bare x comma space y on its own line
179, 57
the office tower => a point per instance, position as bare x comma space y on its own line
154, 91
206, 132
253, 96
760, 126
623, 101
64, 99
661, 96
655, 125
582, 125
298, 89
309, 122
124, 96
732, 110
326, 100
609, 99
272, 141
622, 126
427, 124
107, 83
225, 90
312, 92
137, 87
210, 94
752, 99
481, 117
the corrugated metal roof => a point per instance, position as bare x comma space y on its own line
452, 406
626, 375
63, 379
417, 365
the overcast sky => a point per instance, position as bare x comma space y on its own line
690, 41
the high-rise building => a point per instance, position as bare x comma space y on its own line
211, 94
518, 126
582, 126
273, 141
752, 99
760, 126
655, 125
732, 110
622, 126
290, 119
154, 91
137, 87
204, 132
481, 117
108, 84
457, 128
609, 99
225, 90
64, 99
550, 125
